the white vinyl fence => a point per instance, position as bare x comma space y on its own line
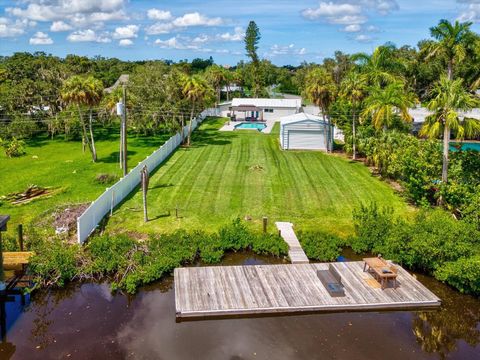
105, 203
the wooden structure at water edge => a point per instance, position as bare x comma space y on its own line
290, 288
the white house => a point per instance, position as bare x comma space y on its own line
419, 114
304, 131
263, 109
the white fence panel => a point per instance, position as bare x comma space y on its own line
113, 196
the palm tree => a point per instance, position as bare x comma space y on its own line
321, 90
449, 97
216, 76
353, 88
385, 106
451, 42
380, 67
84, 91
198, 93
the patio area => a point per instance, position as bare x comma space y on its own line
230, 125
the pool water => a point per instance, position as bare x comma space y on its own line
466, 146
251, 126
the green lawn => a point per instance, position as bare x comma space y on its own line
244, 173
62, 165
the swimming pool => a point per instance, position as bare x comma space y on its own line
251, 126
466, 146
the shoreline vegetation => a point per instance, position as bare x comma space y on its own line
433, 243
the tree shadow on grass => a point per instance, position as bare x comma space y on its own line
160, 186
114, 157
161, 216
211, 137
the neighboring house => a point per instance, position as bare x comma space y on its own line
419, 115
254, 109
304, 131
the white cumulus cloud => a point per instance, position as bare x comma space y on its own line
77, 12
196, 19
40, 38
237, 35
352, 15
88, 35
126, 32
10, 28
60, 26
125, 42
160, 15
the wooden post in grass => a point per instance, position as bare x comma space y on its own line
20, 236
144, 180
3, 227
265, 223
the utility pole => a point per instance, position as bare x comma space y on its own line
124, 131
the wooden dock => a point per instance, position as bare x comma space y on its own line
295, 251
291, 288
13, 258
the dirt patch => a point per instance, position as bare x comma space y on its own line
256, 168
65, 219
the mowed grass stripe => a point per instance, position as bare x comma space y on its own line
225, 175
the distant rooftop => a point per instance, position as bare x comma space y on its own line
420, 113
268, 103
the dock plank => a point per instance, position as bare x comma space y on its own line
270, 289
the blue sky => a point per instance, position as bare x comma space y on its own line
292, 31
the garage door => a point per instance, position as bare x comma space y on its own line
308, 140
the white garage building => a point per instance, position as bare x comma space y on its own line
304, 131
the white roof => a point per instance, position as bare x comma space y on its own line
290, 119
420, 113
268, 103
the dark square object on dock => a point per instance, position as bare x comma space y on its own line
3, 222
332, 281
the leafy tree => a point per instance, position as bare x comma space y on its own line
199, 93
321, 90
381, 68
386, 106
84, 91
449, 98
216, 76
252, 37
353, 89
451, 42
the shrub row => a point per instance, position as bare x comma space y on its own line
130, 263
433, 242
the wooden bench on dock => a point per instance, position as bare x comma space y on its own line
332, 281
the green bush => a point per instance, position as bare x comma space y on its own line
463, 274
130, 263
55, 262
269, 244
235, 236
372, 225
321, 246
433, 242
110, 253
14, 147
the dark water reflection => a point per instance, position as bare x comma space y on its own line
87, 322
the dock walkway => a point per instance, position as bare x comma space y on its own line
290, 288
295, 251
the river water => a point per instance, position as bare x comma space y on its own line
85, 321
